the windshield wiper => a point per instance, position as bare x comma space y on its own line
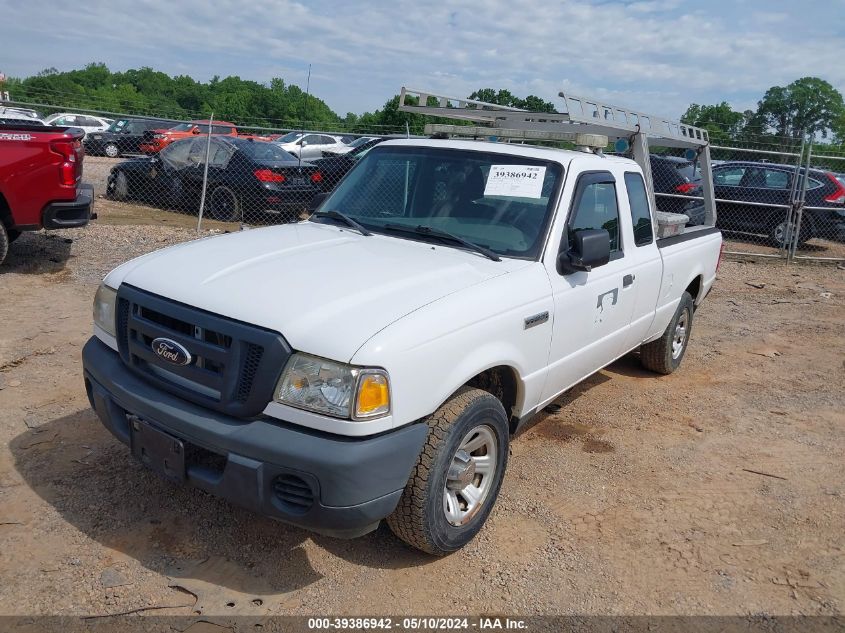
337, 215
422, 229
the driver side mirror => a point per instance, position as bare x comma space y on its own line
591, 248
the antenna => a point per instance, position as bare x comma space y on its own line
305, 111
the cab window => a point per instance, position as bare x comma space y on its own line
640, 212
596, 208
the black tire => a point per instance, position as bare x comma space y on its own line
4, 243
662, 356
420, 519
111, 150
777, 233
119, 187
224, 205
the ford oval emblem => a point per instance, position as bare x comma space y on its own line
171, 351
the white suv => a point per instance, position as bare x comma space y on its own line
309, 145
87, 122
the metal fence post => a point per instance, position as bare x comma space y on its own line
800, 208
794, 192
205, 174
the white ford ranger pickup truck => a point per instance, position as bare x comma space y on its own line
374, 361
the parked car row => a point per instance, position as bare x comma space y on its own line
754, 197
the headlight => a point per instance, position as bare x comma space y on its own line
104, 302
336, 389
159, 135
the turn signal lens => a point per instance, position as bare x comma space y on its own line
373, 395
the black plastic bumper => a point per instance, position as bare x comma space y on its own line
70, 215
352, 483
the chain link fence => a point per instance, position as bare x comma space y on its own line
782, 201
775, 197
215, 171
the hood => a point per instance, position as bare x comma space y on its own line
325, 288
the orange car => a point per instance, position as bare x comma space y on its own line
156, 140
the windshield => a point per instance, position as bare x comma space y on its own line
289, 137
183, 127
263, 152
358, 142
498, 201
118, 125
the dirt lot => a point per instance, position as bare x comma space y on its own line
717, 490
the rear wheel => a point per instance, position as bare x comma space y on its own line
455, 483
224, 205
666, 353
111, 150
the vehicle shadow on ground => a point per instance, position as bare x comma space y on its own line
564, 400
629, 365
92, 480
37, 253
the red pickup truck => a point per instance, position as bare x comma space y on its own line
41, 181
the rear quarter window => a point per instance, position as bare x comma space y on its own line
640, 212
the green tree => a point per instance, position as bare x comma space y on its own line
145, 91
809, 105
531, 103
720, 120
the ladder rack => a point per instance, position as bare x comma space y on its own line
583, 115
587, 122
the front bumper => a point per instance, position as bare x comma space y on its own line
352, 483
72, 214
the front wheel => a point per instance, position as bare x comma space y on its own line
120, 187
111, 150
781, 233
457, 478
666, 353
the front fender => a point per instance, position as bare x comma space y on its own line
433, 351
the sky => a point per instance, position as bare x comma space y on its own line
656, 56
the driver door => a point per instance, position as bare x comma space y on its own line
592, 309
167, 173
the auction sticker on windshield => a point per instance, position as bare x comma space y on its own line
518, 181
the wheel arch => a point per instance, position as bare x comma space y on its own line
503, 382
694, 288
6, 212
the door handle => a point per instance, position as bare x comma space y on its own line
627, 280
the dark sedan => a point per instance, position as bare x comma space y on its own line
246, 178
335, 166
123, 137
755, 198
677, 178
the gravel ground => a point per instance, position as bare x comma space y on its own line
717, 490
